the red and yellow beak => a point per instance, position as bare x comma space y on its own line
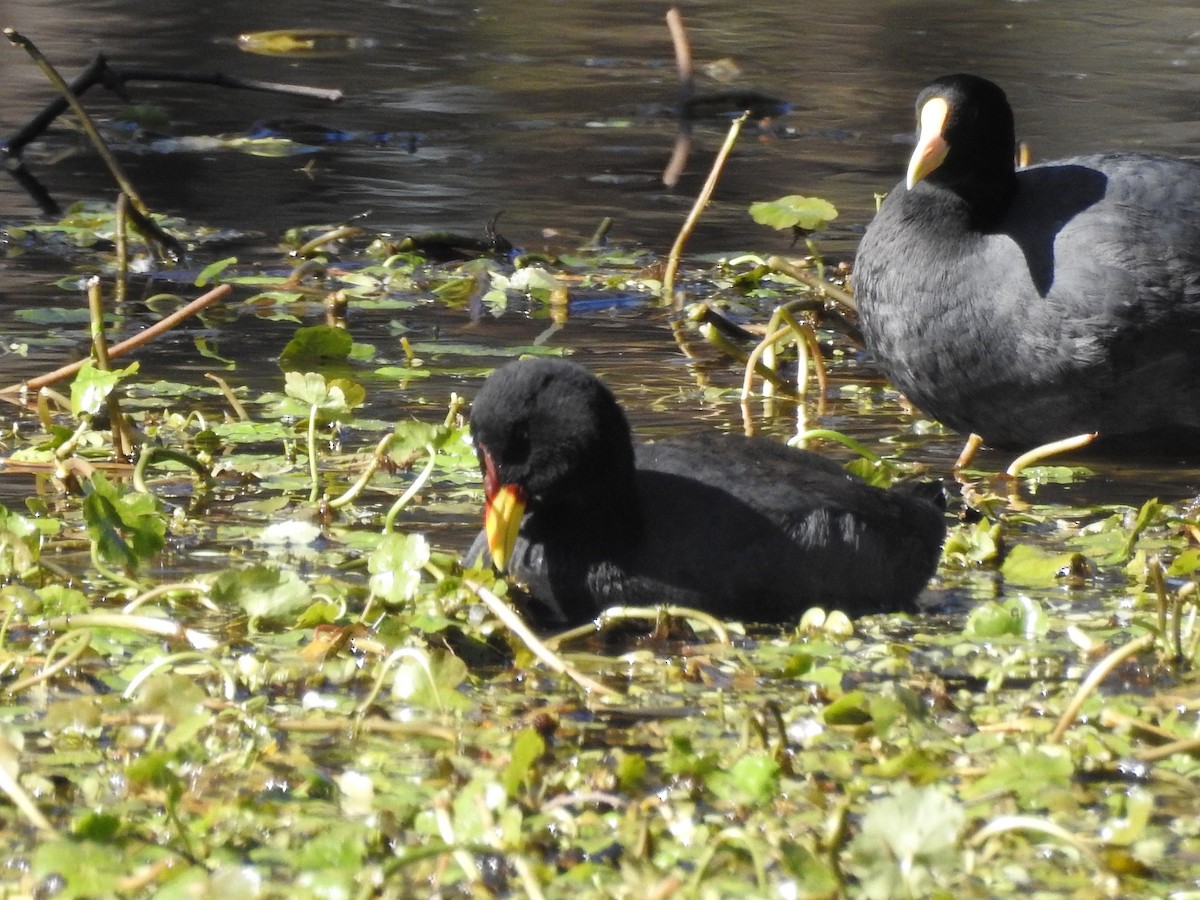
502, 514
503, 508
931, 146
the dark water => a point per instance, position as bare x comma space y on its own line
560, 113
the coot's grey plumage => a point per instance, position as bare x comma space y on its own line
1034, 304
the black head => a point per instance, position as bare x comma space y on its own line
554, 430
966, 139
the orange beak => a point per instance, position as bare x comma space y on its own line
503, 507
931, 146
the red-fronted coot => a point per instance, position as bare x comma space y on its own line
745, 528
1027, 305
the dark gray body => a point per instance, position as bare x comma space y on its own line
748, 529
1077, 311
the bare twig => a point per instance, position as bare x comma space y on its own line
683, 64
121, 438
36, 126
100, 71
970, 448
122, 248
689, 225
139, 212
116, 350
683, 50
220, 79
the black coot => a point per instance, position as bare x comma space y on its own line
745, 528
1035, 304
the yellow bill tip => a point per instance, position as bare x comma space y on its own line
502, 521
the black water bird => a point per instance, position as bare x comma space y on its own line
1028, 305
745, 528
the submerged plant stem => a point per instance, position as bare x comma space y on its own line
465, 860
517, 626
191, 587
1154, 754
1101, 671
420, 657
22, 801
83, 640
601, 233
733, 837
122, 247
152, 452
231, 398
970, 448
315, 490
375, 725
121, 438
650, 613
186, 656
827, 288
533, 889
167, 628
104, 569
845, 440
328, 237
756, 360
809, 349
1042, 826
404, 499
360, 483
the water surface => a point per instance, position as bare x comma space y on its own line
558, 114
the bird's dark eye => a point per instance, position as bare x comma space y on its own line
518, 444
